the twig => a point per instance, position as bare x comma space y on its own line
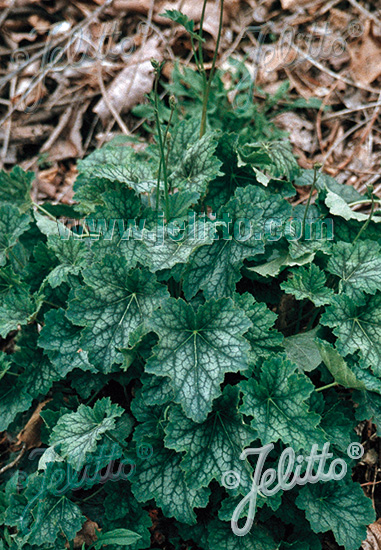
365, 134
5, 13
82, 25
63, 120
7, 130
368, 14
319, 116
341, 139
332, 73
15, 461
109, 104
343, 112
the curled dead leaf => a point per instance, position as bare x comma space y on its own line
373, 538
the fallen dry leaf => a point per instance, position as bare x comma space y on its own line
86, 535
373, 538
301, 131
130, 86
290, 4
366, 59
30, 434
66, 140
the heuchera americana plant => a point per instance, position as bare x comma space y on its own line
171, 355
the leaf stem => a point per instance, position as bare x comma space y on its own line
316, 175
44, 211
157, 67
53, 218
364, 201
212, 70
367, 221
200, 50
328, 386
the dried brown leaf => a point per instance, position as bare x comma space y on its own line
366, 59
87, 535
373, 539
132, 83
30, 434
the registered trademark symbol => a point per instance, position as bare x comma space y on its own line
231, 479
144, 451
355, 450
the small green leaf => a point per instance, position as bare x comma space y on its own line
122, 537
78, 433
308, 283
338, 367
12, 226
182, 19
303, 350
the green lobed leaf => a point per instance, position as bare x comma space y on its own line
216, 268
72, 255
263, 338
61, 341
121, 164
358, 266
197, 165
278, 403
161, 477
115, 302
222, 537
14, 398
38, 372
213, 447
196, 349
174, 247
15, 187
275, 157
340, 507
357, 328
54, 515
17, 308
